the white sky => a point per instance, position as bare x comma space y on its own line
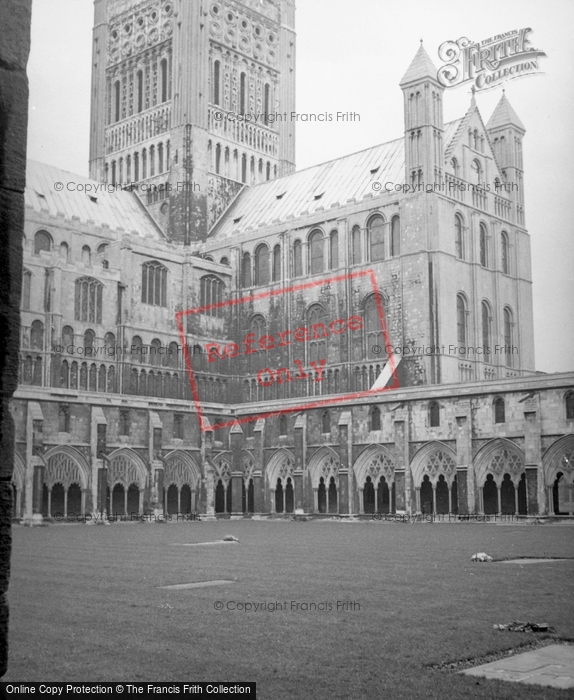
351, 57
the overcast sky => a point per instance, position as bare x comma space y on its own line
351, 57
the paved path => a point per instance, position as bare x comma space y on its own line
551, 666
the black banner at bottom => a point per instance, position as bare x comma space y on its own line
132, 690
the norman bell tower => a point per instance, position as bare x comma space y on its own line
424, 129
186, 100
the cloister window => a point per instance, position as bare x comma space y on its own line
459, 236
154, 283
88, 301
316, 260
376, 231
334, 250
26, 286
277, 263
505, 250
508, 319
212, 290
325, 422
246, 270
375, 418
297, 259
37, 336
499, 412
242, 93
216, 81
434, 414
356, 245
42, 241
395, 236
569, 404
486, 328
261, 265
374, 339
483, 246
317, 347
461, 325
258, 359
164, 80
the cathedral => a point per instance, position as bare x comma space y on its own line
209, 332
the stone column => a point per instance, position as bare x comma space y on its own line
345, 492
402, 461
300, 449
464, 465
533, 459
236, 439
298, 490
258, 505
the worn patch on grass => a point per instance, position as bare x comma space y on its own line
197, 584
531, 560
551, 666
202, 544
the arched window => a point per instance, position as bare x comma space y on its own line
461, 326
216, 81
356, 245
569, 404
454, 165
283, 425
477, 171
483, 246
277, 263
155, 354
117, 101
64, 251
325, 422
89, 337
459, 236
242, 94
67, 338
395, 236
139, 92
258, 359
144, 164
224, 261
37, 335
317, 347
88, 301
26, 287
434, 414
137, 349
266, 102
508, 318
246, 270
486, 329
374, 339
376, 229
212, 290
261, 265
505, 253
86, 255
316, 259
160, 163
218, 159
334, 250
375, 418
499, 412
154, 283
42, 241
244, 168
297, 259
163, 80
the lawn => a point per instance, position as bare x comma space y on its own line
86, 605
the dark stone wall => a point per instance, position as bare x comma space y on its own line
15, 18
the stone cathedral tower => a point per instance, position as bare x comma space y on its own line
184, 95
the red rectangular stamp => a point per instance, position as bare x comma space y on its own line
312, 370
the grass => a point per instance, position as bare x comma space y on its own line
85, 605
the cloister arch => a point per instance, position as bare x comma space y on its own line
181, 480
323, 472
501, 478
65, 483
433, 470
127, 480
374, 471
558, 467
279, 474
18, 486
